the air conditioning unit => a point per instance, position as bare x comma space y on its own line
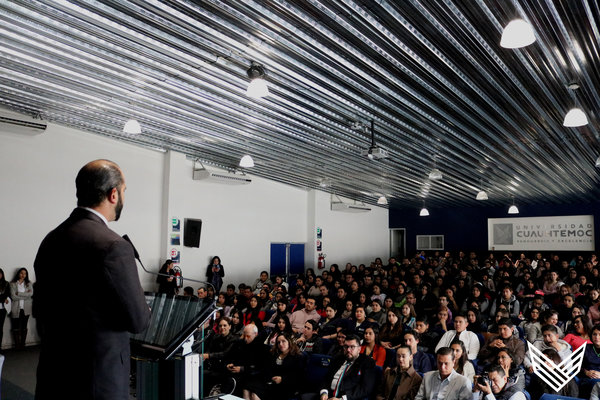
223, 177
20, 124
355, 207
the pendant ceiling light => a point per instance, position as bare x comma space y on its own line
257, 88
513, 208
435, 175
481, 195
382, 200
132, 127
575, 117
598, 162
247, 161
518, 33
424, 211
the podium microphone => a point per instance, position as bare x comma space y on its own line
137, 257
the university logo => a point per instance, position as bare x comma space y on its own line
556, 376
503, 234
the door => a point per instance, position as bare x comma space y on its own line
287, 259
398, 243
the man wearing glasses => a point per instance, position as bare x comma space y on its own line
350, 377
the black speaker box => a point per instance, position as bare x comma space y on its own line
191, 232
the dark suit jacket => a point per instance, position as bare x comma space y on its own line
89, 298
359, 380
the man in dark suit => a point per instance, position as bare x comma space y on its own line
89, 271
350, 377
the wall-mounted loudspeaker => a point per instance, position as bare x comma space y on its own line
191, 232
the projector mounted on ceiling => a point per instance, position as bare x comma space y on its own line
374, 152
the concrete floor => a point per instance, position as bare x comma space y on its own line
18, 373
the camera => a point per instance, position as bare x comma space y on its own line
482, 379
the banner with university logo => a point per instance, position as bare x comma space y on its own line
566, 233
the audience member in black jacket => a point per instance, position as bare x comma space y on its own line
247, 359
357, 381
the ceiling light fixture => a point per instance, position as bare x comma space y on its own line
575, 117
598, 162
246, 161
513, 208
132, 127
481, 195
518, 33
435, 175
257, 88
382, 200
424, 211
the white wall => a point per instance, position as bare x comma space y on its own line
38, 192
239, 222
348, 237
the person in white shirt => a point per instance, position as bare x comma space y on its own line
495, 386
445, 383
470, 339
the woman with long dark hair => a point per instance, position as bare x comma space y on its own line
371, 346
253, 313
391, 333
282, 325
21, 293
215, 273
281, 374
167, 284
462, 365
581, 332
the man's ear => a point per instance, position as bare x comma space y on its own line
113, 197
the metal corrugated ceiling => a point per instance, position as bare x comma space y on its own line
431, 74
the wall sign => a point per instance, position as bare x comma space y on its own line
571, 232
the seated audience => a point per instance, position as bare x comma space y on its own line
280, 312
443, 323
299, 318
310, 341
508, 299
532, 328
445, 382
581, 332
427, 339
401, 382
247, 359
420, 360
391, 332
360, 322
504, 340
371, 347
462, 365
470, 339
280, 380
538, 386
282, 325
550, 341
377, 314
495, 386
516, 374
351, 376
590, 367
215, 352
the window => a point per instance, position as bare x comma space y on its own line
430, 242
